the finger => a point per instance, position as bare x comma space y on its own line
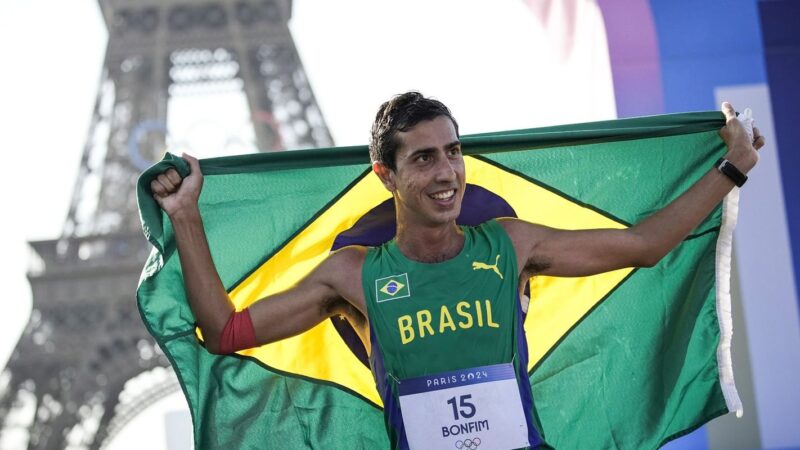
729, 112
759, 142
173, 176
165, 181
756, 133
157, 188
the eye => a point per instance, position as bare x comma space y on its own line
424, 157
454, 151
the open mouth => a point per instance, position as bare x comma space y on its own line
444, 195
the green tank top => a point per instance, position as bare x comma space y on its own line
427, 319
460, 313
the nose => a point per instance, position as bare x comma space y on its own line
445, 169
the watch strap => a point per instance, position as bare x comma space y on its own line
729, 170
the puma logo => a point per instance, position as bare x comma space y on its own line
479, 265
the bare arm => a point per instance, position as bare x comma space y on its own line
548, 251
317, 297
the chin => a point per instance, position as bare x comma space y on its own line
447, 216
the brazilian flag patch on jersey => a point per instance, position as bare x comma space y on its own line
392, 288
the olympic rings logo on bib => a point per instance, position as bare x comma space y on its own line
468, 444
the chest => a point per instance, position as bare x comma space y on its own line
429, 319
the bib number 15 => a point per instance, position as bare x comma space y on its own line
464, 409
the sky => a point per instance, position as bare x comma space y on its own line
47, 87
495, 64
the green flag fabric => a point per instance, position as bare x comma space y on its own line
627, 359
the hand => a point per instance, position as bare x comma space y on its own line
175, 195
741, 152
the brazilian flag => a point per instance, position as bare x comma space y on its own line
626, 359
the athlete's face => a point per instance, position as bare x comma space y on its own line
428, 183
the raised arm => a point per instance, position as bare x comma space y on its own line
318, 296
548, 251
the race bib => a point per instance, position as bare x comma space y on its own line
470, 409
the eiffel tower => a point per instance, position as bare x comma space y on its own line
65, 384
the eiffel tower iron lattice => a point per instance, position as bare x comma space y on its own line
85, 339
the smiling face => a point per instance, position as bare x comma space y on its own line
428, 182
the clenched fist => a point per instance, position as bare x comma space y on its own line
176, 195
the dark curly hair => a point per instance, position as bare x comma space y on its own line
401, 113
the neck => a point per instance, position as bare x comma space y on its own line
429, 244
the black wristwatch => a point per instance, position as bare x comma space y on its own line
731, 171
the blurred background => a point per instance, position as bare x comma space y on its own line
93, 92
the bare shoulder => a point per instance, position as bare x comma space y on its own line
512, 225
526, 238
348, 259
516, 230
523, 234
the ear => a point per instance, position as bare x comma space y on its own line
385, 174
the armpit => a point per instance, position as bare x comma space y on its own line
339, 306
536, 265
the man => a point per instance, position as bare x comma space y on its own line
437, 306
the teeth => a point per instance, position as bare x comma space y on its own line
443, 195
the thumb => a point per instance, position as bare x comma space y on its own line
194, 164
728, 111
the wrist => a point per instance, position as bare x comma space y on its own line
730, 171
188, 213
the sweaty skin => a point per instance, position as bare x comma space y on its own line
428, 186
